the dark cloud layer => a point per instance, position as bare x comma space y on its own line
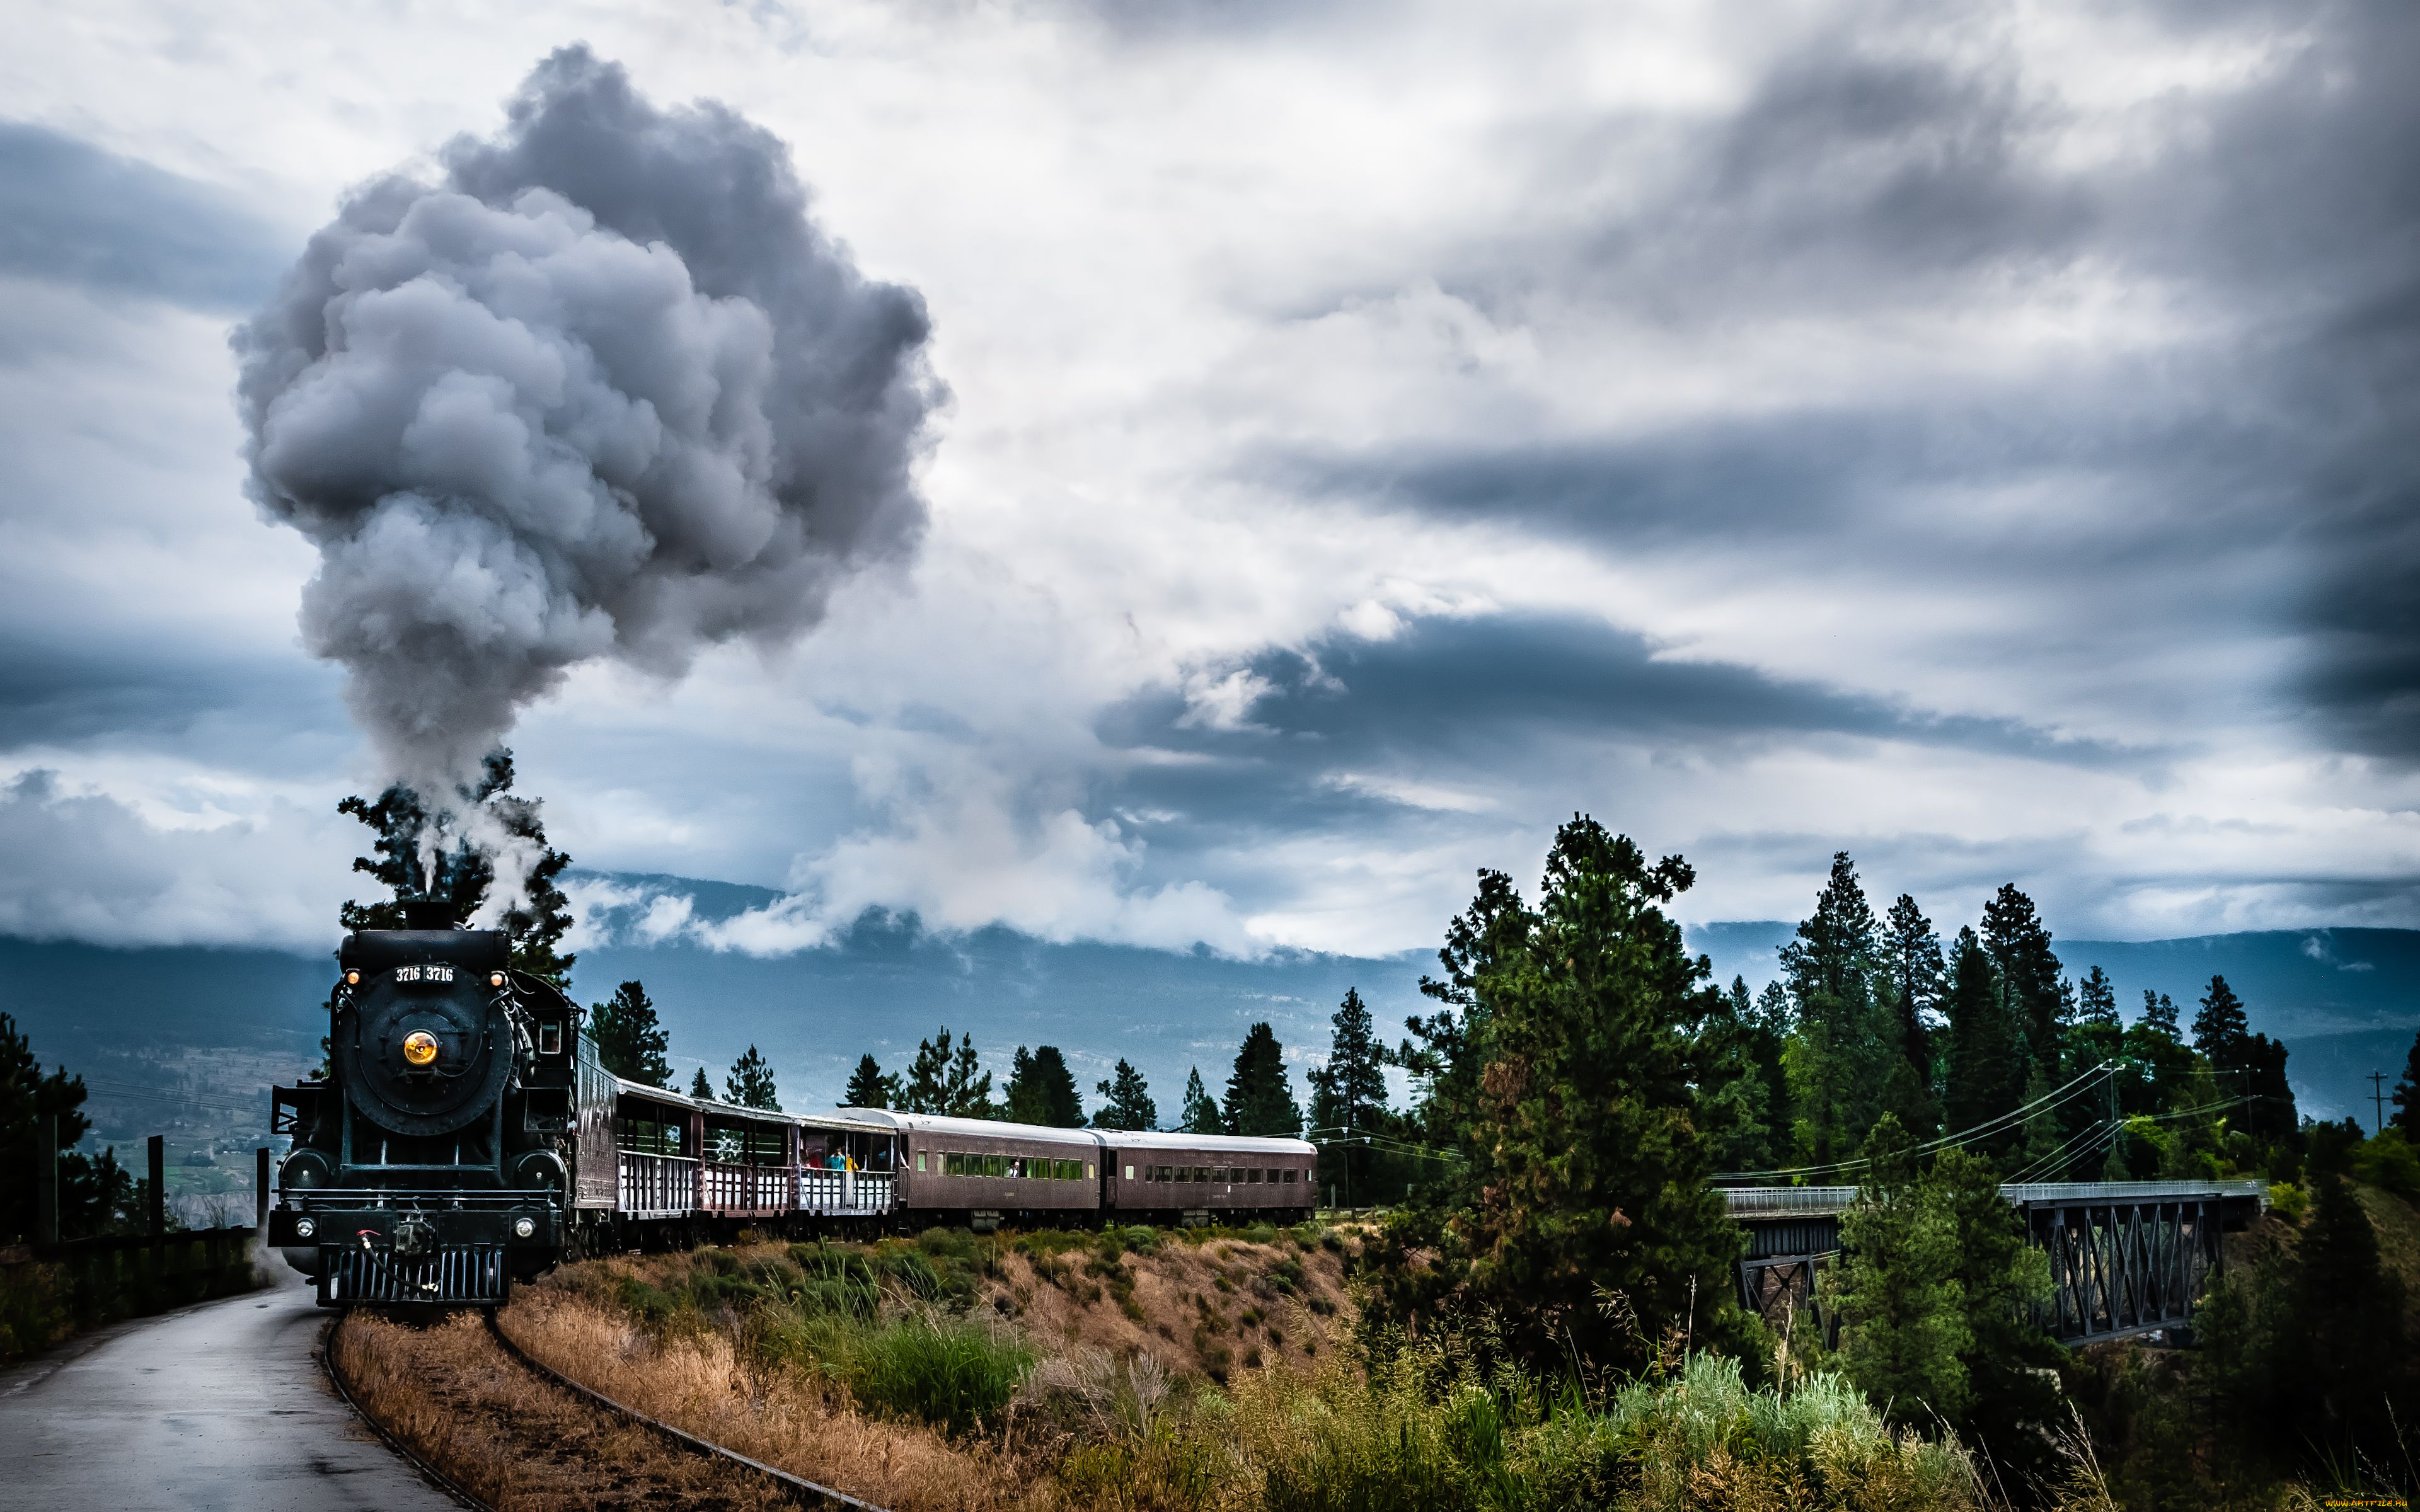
1904, 167
604, 391
71, 213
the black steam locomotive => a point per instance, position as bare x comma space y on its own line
467, 1137
433, 1161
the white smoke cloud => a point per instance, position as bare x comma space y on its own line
604, 391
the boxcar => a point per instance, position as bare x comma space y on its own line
1153, 1175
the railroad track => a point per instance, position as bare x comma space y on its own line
796, 1490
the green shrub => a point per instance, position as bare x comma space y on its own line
952, 1372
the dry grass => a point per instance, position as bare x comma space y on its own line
1212, 1309
699, 1381
516, 1440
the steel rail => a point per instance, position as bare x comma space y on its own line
429, 1473
798, 1487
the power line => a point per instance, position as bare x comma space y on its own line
2048, 1100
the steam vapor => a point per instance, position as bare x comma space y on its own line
602, 392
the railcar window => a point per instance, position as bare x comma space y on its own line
1201, 1173
1253, 1175
1291, 1174
920, 1160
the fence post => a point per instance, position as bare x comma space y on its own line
155, 1217
46, 1183
260, 1193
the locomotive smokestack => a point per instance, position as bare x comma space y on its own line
430, 913
603, 391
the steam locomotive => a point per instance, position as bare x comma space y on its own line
466, 1136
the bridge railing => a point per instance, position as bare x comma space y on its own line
1753, 1202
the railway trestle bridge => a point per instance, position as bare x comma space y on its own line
2126, 1258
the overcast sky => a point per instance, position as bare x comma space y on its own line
1982, 438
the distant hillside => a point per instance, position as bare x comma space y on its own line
196, 1034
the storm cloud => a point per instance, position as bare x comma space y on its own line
602, 391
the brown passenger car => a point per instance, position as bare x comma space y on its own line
978, 1172
1156, 1175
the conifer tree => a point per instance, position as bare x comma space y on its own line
1577, 1035
751, 1083
1042, 1091
1260, 1100
1733, 1104
1201, 1115
1480, 943
2159, 1014
1838, 1060
967, 1090
2097, 1000
700, 1086
1911, 952
2221, 1030
2020, 946
1903, 1326
1126, 1099
1986, 1063
630, 1042
95, 1195
927, 1088
868, 1087
1348, 1096
2407, 1095
415, 865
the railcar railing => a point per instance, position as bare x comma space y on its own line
825, 1191
658, 1185
753, 1190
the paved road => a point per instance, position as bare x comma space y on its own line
217, 1406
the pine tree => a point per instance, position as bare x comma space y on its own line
700, 1088
1582, 1170
629, 1042
1042, 1091
2407, 1095
1911, 952
1838, 1060
1127, 1102
2011, 1365
927, 1089
1904, 1328
2221, 1030
2160, 1014
868, 1087
1259, 1099
1348, 1095
751, 1083
1986, 1063
967, 1091
2097, 1000
2020, 946
93, 1190
461, 874
1201, 1115
1734, 1104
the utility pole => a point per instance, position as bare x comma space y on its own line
2378, 1101
155, 1214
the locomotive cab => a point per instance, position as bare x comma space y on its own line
429, 1165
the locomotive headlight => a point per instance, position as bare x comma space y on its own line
524, 1228
352, 978
495, 978
419, 1047
305, 1228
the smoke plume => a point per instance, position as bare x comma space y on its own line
603, 391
